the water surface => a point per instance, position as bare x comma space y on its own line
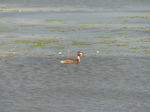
113, 76
104, 84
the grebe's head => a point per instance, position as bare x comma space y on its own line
79, 53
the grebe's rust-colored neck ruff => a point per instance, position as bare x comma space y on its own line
73, 61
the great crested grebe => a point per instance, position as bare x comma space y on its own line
73, 61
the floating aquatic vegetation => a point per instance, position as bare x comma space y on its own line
147, 27
62, 31
136, 17
146, 10
121, 33
86, 28
44, 41
119, 45
11, 36
17, 10
133, 48
123, 28
3, 28
126, 21
6, 7
145, 50
36, 43
80, 10
80, 43
2, 43
22, 42
147, 30
143, 47
52, 20
106, 42
104, 37
56, 47
51, 55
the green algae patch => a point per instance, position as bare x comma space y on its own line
36, 42
3, 28
143, 47
147, 27
6, 7
135, 48
106, 42
63, 31
11, 36
147, 30
121, 33
44, 41
22, 42
136, 17
126, 21
17, 10
52, 20
104, 37
146, 10
123, 28
120, 45
51, 55
37, 45
80, 10
146, 50
2, 43
87, 28
55, 47
75, 43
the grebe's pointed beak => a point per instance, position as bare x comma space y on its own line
82, 54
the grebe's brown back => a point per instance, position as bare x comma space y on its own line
73, 61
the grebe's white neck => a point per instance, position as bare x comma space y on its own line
78, 58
